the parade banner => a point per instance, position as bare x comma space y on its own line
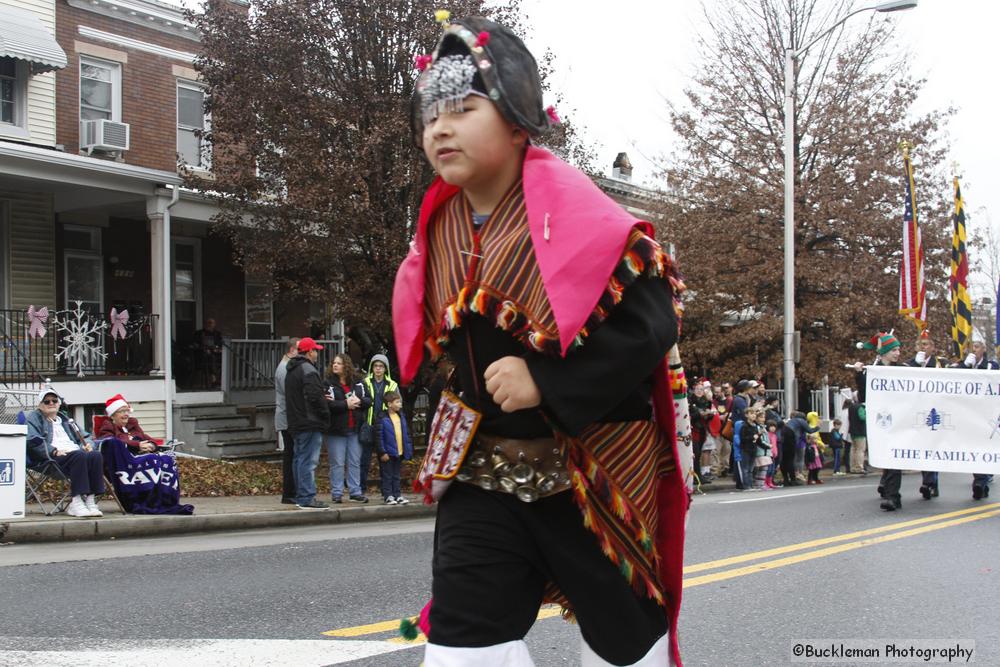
940, 419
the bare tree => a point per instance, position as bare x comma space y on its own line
314, 162
984, 256
854, 102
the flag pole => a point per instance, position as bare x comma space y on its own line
912, 292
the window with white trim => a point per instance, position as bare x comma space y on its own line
192, 150
13, 90
100, 89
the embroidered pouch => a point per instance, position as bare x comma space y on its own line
448, 441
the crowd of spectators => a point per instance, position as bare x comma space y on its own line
355, 415
739, 432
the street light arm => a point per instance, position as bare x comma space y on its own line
801, 51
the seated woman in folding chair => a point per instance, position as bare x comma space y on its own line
55, 437
122, 425
142, 470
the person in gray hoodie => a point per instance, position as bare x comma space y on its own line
377, 384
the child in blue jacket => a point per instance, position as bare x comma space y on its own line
395, 447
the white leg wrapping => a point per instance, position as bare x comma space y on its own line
508, 654
657, 656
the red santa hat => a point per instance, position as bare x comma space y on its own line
114, 404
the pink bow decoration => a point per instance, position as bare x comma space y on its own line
118, 322
37, 320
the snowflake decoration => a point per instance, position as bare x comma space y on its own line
82, 340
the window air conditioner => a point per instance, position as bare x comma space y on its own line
103, 135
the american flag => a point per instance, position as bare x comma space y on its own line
912, 293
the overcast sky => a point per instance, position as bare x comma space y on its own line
618, 61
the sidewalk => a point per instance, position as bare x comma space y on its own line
826, 475
210, 514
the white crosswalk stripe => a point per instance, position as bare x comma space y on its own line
39, 651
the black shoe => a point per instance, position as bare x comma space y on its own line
934, 491
313, 505
337, 500
891, 504
925, 491
288, 501
977, 492
360, 499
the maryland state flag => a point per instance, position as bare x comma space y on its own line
912, 292
961, 306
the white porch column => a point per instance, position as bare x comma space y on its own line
160, 272
158, 211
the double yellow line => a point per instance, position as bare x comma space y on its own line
851, 541
767, 558
547, 611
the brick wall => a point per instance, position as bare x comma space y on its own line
149, 86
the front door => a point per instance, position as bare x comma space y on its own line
186, 273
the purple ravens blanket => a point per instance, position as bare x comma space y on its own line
145, 483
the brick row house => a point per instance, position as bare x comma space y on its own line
99, 105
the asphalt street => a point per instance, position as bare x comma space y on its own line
765, 570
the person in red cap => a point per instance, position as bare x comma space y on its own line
122, 425
308, 417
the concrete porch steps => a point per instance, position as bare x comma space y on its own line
224, 431
252, 445
273, 456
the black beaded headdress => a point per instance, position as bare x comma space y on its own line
478, 56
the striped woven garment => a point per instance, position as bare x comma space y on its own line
492, 272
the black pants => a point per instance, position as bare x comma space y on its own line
890, 481
85, 471
788, 458
288, 490
493, 556
366, 464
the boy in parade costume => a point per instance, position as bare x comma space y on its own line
887, 348
557, 309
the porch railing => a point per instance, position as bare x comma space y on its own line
73, 342
13, 401
248, 365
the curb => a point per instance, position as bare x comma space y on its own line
25, 532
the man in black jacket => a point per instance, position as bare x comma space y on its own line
308, 417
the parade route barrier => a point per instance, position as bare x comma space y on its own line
12, 454
939, 419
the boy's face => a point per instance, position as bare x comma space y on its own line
396, 405
471, 148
